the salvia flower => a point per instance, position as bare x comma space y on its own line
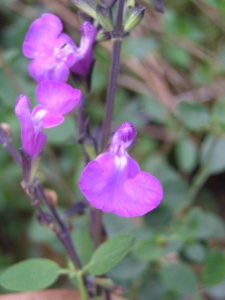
113, 182
55, 100
53, 53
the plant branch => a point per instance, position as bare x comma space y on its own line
35, 192
96, 215
113, 75
8, 144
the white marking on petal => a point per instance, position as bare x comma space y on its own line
38, 117
120, 161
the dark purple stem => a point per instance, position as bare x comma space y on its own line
84, 134
64, 230
60, 230
113, 75
96, 215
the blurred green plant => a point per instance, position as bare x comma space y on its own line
179, 249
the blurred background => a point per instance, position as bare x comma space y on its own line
172, 88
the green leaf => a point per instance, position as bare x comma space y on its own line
218, 113
214, 271
180, 279
104, 16
115, 225
147, 250
132, 46
134, 18
216, 291
128, 269
212, 154
108, 255
201, 225
154, 110
195, 116
87, 6
176, 193
195, 252
186, 154
211, 226
83, 243
178, 56
30, 275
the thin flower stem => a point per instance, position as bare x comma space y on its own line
7, 143
38, 191
198, 183
96, 215
113, 75
81, 116
111, 93
119, 18
63, 228
81, 286
96, 226
203, 173
56, 224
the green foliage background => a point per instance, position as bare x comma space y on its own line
171, 87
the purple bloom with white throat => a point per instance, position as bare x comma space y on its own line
55, 100
113, 182
52, 52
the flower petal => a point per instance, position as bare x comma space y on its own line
140, 195
41, 35
116, 184
57, 96
85, 57
46, 118
89, 32
32, 140
42, 69
22, 108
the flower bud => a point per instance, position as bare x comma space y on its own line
6, 128
158, 5
123, 138
130, 3
134, 18
87, 6
51, 197
104, 17
103, 35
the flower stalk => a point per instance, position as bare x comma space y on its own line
5, 141
58, 227
117, 34
113, 75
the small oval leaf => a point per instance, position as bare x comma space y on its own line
212, 154
194, 116
110, 253
180, 279
30, 275
213, 271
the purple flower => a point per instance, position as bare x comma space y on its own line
113, 182
56, 99
84, 55
54, 53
